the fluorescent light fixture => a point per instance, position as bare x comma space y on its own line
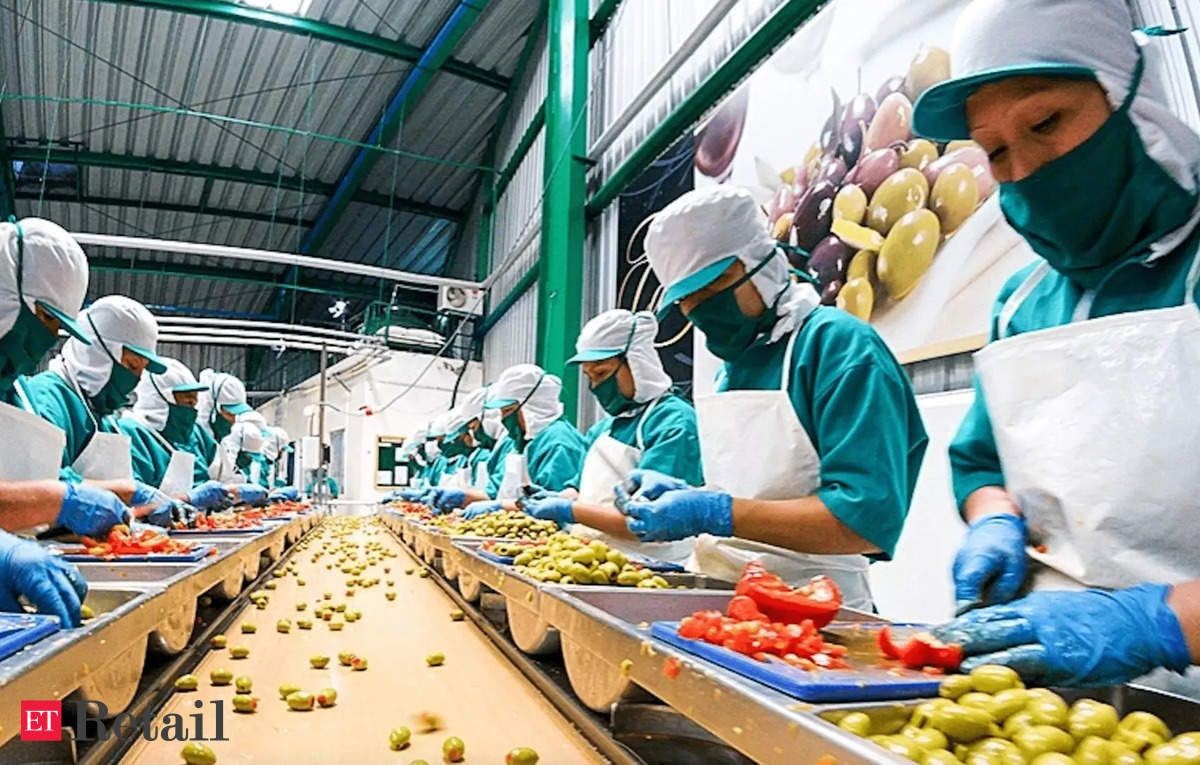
293, 7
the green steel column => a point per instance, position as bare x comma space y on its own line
560, 281
8, 195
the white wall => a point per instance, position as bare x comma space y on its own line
354, 383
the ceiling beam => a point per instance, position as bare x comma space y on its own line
403, 102
318, 30
66, 154
150, 204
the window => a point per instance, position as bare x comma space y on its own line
56, 176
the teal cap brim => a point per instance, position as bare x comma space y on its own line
499, 403
236, 409
189, 388
156, 364
595, 354
66, 322
940, 114
693, 283
289, 448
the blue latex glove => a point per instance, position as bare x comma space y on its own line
680, 514
1087, 638
991, 565
208, 495
647, 484
482, 507
549, 507
251, 494
90, 510
287, 494
47, 581
162, 509
446, 499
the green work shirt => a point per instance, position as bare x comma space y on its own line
670, 438
434, 470
855, 402
1135, 286
201, 444
555, 456
56, 402
150, 457
478, 455
496, 460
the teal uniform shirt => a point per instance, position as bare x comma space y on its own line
554, 456
669, 435
496, 460
453, 465
433, 472
56, 402
150, 457
1134, 286
476, 456
204, 446
855, 402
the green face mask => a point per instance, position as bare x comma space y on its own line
26, 343
1130, 202
221, 427
454, 447
727, 331
180, 420
481, 437
115, 393
612, 400
512, 426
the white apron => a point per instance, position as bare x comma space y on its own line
106, 456
784, 465
178, 477
42, 443
1095, 426
482, 477
516, 475
607, 463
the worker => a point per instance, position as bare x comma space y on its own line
332, 487
160, 428
812, 444
240, 460
547, 450
435, 431
465, 430
1077, 450
221, 401
455, 449
276, 449
648, 426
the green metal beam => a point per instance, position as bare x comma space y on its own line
560, 282
604, 15
150, 204
527, 280
514, 162
8, 187
319, 30
404, 101
217, 172
771, 34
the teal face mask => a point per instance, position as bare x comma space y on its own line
512, 426
727, 331
121, 381
28, 340
612, 400
1130, 201
221, 427
180, 420
481, 437
454, 447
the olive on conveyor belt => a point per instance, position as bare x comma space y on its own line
567, 559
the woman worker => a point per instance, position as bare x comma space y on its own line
647, 427
813, 442
1078, 450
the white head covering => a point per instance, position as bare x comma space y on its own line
54, 270
536, 391
697, 237
620, 331
154, 392
112, 323
224, 388
277, 441
471, 408
1094, 35
247, 436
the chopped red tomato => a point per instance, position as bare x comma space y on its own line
921, 650
818, 601
671, 668
121, 541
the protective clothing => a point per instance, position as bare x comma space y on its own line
695, 239
990, 566
548, 450
682, 513
446, 499
728, 332
286, 494
42, 442
208, 495
201, 444
52, 585
623, 333
90, 510
497, 464
40, 265
550, 507
223, 392
240, 456
482, 507
251, 493
162, 510
278, 445
159, 429
1088, 638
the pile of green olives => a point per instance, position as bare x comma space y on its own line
989, 717
567, 559
503, 524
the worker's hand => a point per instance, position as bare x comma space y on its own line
90, 511
991, 565
208, 495
680, 514
1087, 638
444, 500
161, 509
646, 484
549, 507
251, 494
47, 581
404, 495
284, 494
482, 507
183, 516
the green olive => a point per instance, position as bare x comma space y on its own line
1048, 712
1119, 754
245, 704
318, 662
1092, 750
1172, 753
928, 739
858, 723
1039, 739
903, 192
939, 757
993, 678
998, 749
1092, 718
850, 204
1137, 739
453, 749
862, 266
924, 711
327, 697
908, 252
220, 676
1147, 722
187, 683
963, 724
197, 754
219, 641
901, 745
955, 686
954, 196
287, 689
435, 659
918, 153
857, 298
238, 652
522, 755
243, 684
976, 699
398, 738
1007, 703
301, 701
1053, 758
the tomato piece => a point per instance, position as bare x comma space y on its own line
921, 650
886, 646
671, 668
818, 600
692, 628
743, 609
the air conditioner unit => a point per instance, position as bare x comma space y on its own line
460, 300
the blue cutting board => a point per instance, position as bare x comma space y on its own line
197, 553
650, 563
20, 630
864, 681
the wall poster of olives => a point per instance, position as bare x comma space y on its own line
903, 233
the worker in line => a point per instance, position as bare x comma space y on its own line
412, 454
435, 432
160, 428
812, 444
43, 280
221, 401
648, 427
276, 449
87, 383
455, 449
466, 429
547, 449
240, 461
1078, 450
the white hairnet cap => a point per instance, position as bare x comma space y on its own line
998, 39
54, 272
622, 332
155, 392
535, 391
696, 238
471, 408
277, 440
112, 323
247, 436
